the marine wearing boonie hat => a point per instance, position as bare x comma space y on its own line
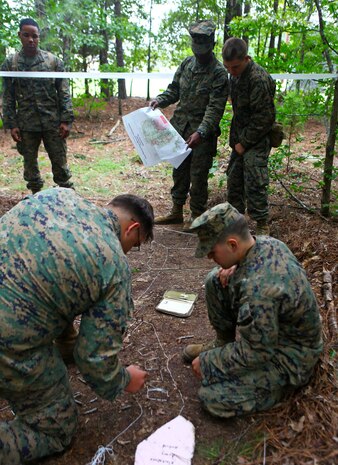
203, 36
211, 224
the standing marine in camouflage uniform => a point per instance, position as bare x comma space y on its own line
37, 110
252, 91
200, 86
61, 256
265, 315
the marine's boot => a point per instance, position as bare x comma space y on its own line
174, 217
262, 228
66, 343
191, 351
188, 223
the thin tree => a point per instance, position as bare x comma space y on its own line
329, 155
122, 92
273, 35
149, 47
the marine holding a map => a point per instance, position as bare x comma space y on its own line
200, 86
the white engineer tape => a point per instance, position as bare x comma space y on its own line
99, 75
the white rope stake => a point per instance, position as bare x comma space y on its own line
104, 451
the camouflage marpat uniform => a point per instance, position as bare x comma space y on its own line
202, 92
252, 96
270, 302
60, 256
37, 107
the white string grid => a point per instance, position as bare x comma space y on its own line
107, 451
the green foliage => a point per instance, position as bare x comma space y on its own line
225, 124
229, 453
90, 106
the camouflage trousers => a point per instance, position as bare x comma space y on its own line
243, 391
56, 148
45, 423
192, 176
248, 180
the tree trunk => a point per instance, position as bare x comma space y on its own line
103, 57
40, 8
329, 155
233, 8
84, 69
323, 37
280, 33
149, 47
197, 13
122, 92
258, 42
302, 44
66, 52
227, 20
103, 53
273, 36
247, 7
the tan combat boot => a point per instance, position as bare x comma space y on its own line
66, 343
192, 351
174, 217
262, 228
188, 223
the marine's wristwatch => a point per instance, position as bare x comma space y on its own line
201, 133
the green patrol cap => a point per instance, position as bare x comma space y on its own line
203, 36
211, 224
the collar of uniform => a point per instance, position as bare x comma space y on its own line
112, 217
255, 250
38, 58
198, 68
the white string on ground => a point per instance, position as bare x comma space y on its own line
104, 451
107, 451
167, 364
264, 451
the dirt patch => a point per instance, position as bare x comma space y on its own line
155, 341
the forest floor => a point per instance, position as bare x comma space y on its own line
300, 431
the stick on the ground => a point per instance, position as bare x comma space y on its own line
296, 199
329, 302
116, 125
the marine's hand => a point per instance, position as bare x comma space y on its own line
15, 133
224, 275
64, 130
239, 149
194, 140
137, 378
196, 368
154, 104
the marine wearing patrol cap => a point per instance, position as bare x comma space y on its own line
203, 36
210, 225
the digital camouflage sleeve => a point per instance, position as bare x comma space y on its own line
35, 104
201, 91
60, 257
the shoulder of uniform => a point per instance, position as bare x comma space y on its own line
257, 71
47, 54
187, 60
8, 63
219, 67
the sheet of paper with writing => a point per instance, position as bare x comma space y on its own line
172, 444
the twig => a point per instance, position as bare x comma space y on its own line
103, 142
114, 128
296, 199
329, 302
